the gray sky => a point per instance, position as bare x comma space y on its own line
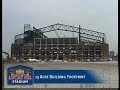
98, 15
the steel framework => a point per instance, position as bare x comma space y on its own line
84, 35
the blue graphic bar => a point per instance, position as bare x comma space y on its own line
66, 76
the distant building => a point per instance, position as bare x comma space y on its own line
111, 54
115, 58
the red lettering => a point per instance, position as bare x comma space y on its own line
27, 77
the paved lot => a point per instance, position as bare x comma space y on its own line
108, 70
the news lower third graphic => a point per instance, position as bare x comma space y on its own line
24, 75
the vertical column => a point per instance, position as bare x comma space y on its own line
63, 49
82, 52
69, 49
51, 48
45, 49
33, 48
33, 51
76, 48
40, 50
57, 50
79, 35
22, 51
94, 52
88, 49
29, 51
39, 53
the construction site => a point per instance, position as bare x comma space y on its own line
85, 45
82, 45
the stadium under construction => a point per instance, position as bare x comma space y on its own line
84, 45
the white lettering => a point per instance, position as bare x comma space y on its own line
76, 76
44, 76
57, 76
19, 81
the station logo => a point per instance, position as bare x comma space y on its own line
20, 75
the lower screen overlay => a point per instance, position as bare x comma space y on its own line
24, 75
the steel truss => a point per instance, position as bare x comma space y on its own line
85, 35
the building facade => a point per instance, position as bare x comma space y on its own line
68, 48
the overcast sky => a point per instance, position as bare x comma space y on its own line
98, 15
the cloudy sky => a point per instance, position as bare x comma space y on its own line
98, 15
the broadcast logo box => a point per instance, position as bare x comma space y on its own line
19, 75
